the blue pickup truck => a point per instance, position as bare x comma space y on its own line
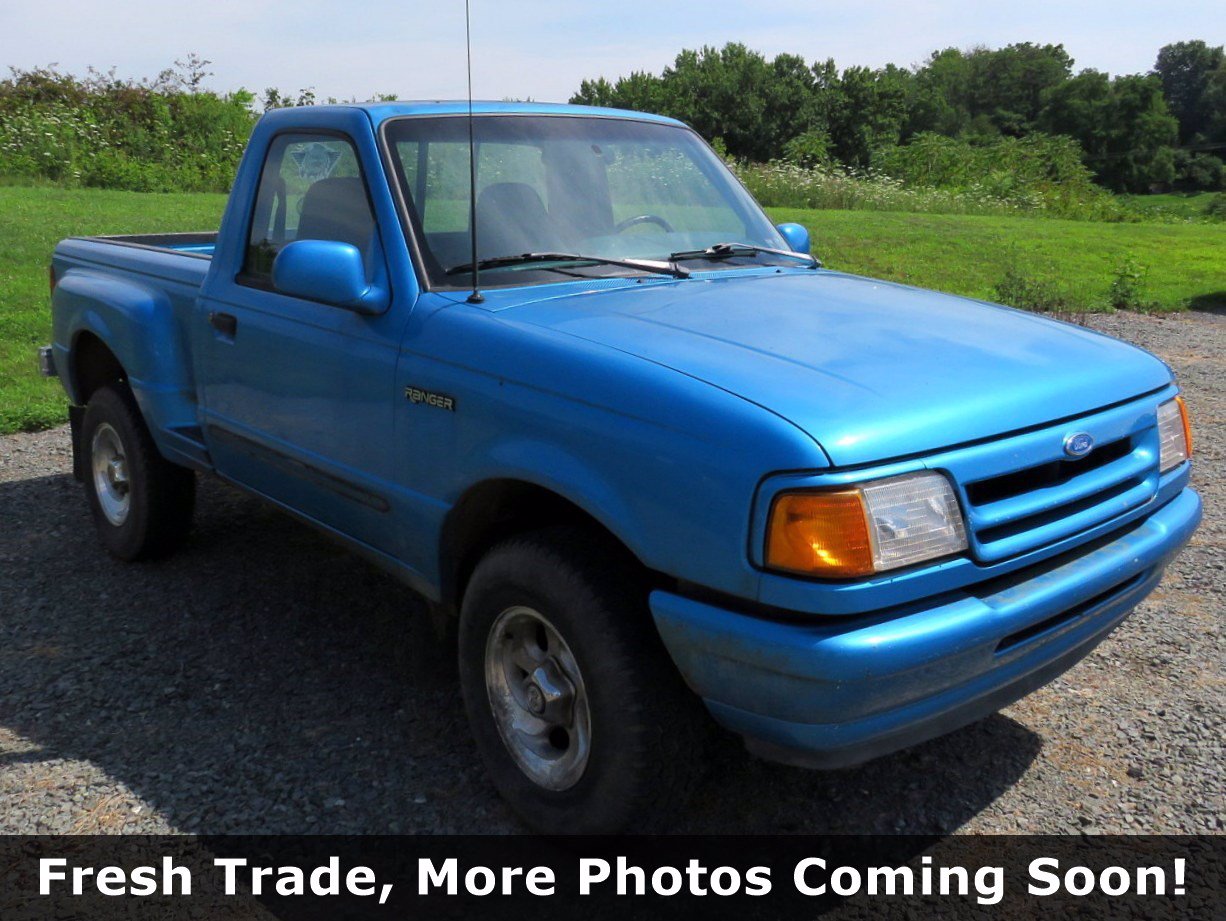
649, 460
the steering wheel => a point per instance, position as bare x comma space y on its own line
643, 219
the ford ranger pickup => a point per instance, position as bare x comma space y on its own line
652, 465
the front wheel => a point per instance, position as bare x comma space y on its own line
141, 503
581, 718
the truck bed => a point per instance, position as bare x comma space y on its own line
195, 244
173, 262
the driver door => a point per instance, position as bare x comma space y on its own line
298, 394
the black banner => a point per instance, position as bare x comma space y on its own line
783, 877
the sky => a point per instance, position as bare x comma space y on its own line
542, 49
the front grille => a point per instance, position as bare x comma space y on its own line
1046, 475
1060, 512
1023, 493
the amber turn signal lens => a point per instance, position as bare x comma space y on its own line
1187, 423
820, 534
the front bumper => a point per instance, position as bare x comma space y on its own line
832, 692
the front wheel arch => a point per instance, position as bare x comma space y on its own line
495, 510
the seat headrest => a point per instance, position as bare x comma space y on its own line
511, 219
336, 209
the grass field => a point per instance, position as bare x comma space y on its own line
1185, 263
1183, 205
32, 221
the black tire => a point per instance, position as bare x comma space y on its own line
648, 732
160, 496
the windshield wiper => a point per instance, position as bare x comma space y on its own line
727, 250
658, 266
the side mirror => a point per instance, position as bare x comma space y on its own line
797, 237
328, 271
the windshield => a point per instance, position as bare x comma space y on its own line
611, 188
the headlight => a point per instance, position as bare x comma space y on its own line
867, 528
1174, 434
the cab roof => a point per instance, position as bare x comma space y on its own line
381, 111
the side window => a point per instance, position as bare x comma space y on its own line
311, 188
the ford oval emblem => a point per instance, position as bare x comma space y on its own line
1078, 444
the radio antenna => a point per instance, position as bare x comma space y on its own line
476, 297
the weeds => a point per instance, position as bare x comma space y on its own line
787, 185
1026, 291
1128, 287
1034, 176
101, 131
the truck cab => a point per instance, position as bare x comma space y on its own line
650, 463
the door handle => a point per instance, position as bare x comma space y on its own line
224, 323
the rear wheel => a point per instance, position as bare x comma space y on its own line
581, 718
141, 503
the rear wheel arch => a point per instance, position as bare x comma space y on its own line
92, 365
141, 503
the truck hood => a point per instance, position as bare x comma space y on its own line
871, 370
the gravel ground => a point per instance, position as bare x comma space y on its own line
264, 681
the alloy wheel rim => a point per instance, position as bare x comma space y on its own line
110, 471
538, 698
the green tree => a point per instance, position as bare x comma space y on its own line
986, 91
1186, 70
941, 98
867, 111
1122, 125
1215, 102
1007, 85
755, 105
808, 150
642, 92
766, 109
1198, 171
